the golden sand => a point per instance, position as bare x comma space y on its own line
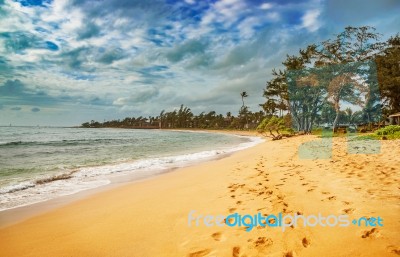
150, 218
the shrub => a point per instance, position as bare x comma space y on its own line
274, 124
389, 130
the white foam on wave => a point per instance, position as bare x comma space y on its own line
39, 193
26, 193
163, 163
16, 187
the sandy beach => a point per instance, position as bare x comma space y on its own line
151, 217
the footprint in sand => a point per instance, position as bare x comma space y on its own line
199, 253
373, 233
290, 254
331, 198
305, 242
393, 249
236, 251
217, 236
262, 242
270, 192
348, 210
231, 210
232, 185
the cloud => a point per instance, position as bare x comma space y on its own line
310, 20
266, 6
12, 88
14, 92
20, 41
76, 58
141, 95
224, 13
110, 59
187, 49
359, 12
108, 56
88, 30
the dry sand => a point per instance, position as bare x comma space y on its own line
150, 218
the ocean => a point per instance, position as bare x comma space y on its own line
38, 164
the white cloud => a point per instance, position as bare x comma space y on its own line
310, 20
246, 27
266, 6
225, 12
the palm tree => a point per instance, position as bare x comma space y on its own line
243, 110
243, 95
162, 115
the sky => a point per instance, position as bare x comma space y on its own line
64, 62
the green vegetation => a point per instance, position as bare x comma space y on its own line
388, 64
389, 132
184, 118
275, 126
316, 92
320, 80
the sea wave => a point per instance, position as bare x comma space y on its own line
70, 182
63, 142
16, 187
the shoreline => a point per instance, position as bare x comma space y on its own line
135, 219
18, 214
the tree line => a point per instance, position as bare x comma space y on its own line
185, 118
353, 79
